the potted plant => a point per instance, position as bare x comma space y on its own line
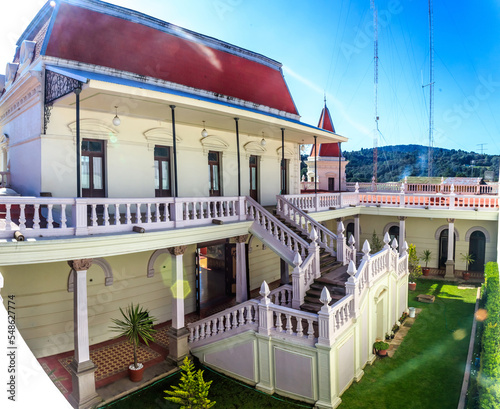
136, 325
414, 268
426, 257
381, 347
468, 259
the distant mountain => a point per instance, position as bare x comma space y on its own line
396, 162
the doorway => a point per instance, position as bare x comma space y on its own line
477, 247
93, 177
254, 177
214, 173
443, 248
162, 171
331, 184
394, 234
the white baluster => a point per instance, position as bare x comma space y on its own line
22, 218
157, 212
228, 322
94, 215
106, 215
36, 217
117, 214
221, 325
202, 332
191, 334
128, 217
50, 218
289, 328
138, 213
310, 329
63, 216
8, 217
242, 318
148, 213
300, 331
197, 333
279, 324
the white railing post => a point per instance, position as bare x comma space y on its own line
394, 255
242, 208
314, 248
325, 320
341, 256
452, 197
316, 203
402, 196
351, 285
297, 282
265, 312
176, 213
352, 245
79, 217
366, 256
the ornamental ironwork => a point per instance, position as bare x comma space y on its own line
56, 86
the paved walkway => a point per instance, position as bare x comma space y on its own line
401, 334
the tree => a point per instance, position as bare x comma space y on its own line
413, 267
375, 243
192, 391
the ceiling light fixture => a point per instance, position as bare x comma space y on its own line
263, 141
204, 132
116, 120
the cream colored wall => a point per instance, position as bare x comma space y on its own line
263, 264
44, 308
129, 157
328, 169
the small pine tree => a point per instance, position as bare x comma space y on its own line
192, 391
375, 243
413, 267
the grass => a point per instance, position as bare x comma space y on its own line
427, 370
228, 393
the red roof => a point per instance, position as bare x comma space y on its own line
326, 149
93, 37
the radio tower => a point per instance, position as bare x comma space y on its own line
431, 88
375, 82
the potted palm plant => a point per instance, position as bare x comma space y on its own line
136, 325
413, 267
468, 259
426, 257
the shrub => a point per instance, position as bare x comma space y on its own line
413, 266
489, 392
380, 345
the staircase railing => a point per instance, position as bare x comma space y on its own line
290, 246
304, 222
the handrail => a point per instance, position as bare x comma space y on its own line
326, 238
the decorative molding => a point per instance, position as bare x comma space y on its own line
16, 106
450, 220
160, 136
289, 154
2, 83
254, 148
93, 128
151, 263
81, 264
108, 274
477, 228
402, 218
177, 250
389, 225
10, 73
213, 143
26, 54
241, 239
445, 227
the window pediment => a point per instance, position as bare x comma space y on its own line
26, 54
160, 136
254, 148
95, 129
213, 143
289, 154
10, 73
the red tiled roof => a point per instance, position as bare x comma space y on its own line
94, 37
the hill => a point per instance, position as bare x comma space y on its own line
396, 162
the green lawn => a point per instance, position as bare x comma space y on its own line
427, 370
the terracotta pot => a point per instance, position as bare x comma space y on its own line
382, 352
412, 286
135, 375
466, 275
426, 271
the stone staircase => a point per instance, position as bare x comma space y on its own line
333, 277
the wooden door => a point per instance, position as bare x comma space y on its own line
331, 184
93, 177
254, 177
162, 171
477, 247
214, 173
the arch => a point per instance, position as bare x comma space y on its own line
388, 227
94, 129
106, 268
445, 227
160, 136
477, 228
288, 153
152, 259
254, 148
213, 143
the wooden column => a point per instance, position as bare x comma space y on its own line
178, 334
82, 368
241, 269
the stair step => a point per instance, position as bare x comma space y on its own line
316, 289
339, 282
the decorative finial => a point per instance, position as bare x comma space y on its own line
264, 289
351, 269
325, 297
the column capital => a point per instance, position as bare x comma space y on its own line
356, 216
402, 218
241, 239
451, 220
81, 264
177, 251
338, 219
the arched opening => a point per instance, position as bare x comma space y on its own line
394, 234
477, 246
443, 248
349, 231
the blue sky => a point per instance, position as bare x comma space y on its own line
327, 46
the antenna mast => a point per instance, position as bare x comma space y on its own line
375, 82
431, 87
